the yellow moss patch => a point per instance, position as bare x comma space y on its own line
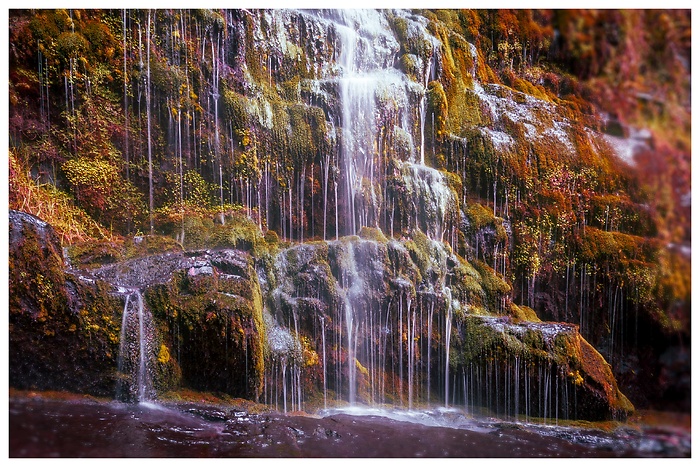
163, 354
524, 313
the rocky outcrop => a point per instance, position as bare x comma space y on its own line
208, 313
65, 322
360, 320
539, 369
63, 329
415, 323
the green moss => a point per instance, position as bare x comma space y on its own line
523, 313
36, 276
478, 339
480, 217
239, 233
201, 231
234, 286
598, 245
97, 319
372, 233
408, 63
467, 284
533, 339
167, 373
400, 27
94, 253
291, 90
565, 349
437, 105
493, 284
199, 284
235, 108
598, 375
271, 238
147, 245
197, 231
203, 316
419, 249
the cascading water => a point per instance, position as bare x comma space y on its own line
434, 202
284, 354
325, 371
357, 90
367, 81
381, 339
429, 74
351, 292
448, 336
136, 350
391, 346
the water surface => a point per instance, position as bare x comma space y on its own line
45, 427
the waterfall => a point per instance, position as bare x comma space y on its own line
376, 346
422, 129
357, 99
325, 372
136, 350
448, 333
284, 383
434, 201
284, 352
516, 372
429, 72
399, 328
372, 347
349, 322
148, 121
367, 79
430, 334
353, 288
409, 350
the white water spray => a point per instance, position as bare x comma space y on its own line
135, 350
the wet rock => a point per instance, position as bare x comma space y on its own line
577, 381
63, 331
232, 262
325, 433
145, 271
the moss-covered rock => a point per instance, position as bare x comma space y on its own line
523, 313
211, 319
372, 233
541, 358
63, 329
147, 245
95, 253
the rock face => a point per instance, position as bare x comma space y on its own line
210, 311
64, 330
411, 172
65, 324
540, 369
360, 320
408, 323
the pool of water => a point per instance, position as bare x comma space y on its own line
46, 427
